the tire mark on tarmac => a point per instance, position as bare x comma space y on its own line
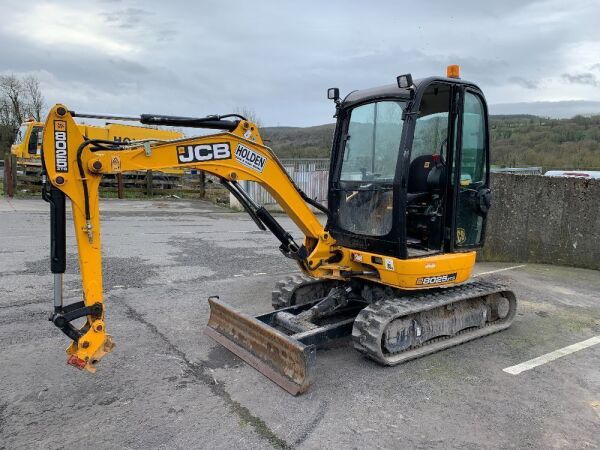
27, 303
3, 408
313, 423
200, 372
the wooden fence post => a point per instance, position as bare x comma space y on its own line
202, 187
9, 175
13, 175
149, 183
5, 177
120, 185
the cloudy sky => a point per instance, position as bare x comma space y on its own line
278, 58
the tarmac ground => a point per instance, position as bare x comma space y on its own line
168, 385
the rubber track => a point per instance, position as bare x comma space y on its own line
312, 289
372, 321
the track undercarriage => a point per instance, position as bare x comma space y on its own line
387, 325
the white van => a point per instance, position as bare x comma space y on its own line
587, 174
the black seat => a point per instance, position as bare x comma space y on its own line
418, 173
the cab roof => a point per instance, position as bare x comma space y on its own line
393, 91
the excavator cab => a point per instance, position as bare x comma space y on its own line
28, 142
408, 193
409, 170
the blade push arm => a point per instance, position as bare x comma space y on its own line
75, 167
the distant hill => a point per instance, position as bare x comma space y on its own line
297, 142
517, 141
556, 110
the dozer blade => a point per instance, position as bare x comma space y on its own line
283, 359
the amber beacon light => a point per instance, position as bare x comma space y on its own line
453, 71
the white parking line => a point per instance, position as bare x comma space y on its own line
515, 370
499, 270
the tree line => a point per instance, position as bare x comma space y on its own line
516, 141
21, 98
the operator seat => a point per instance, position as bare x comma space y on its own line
424, 176
426, 181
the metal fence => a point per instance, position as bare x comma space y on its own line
309, 174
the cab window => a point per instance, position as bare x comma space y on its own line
21, 133
473, 172
372, 142
370, 154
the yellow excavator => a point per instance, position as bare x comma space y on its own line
27, 146
28, 142
407, 204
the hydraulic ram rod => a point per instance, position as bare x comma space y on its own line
210, 122
105, 116
57, 243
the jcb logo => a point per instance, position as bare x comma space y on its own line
187, 154
61, 161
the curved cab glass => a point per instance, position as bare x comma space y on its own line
370, 153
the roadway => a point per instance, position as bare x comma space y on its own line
167, 385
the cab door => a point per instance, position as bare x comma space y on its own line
471, 172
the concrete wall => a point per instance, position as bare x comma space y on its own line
541, 219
